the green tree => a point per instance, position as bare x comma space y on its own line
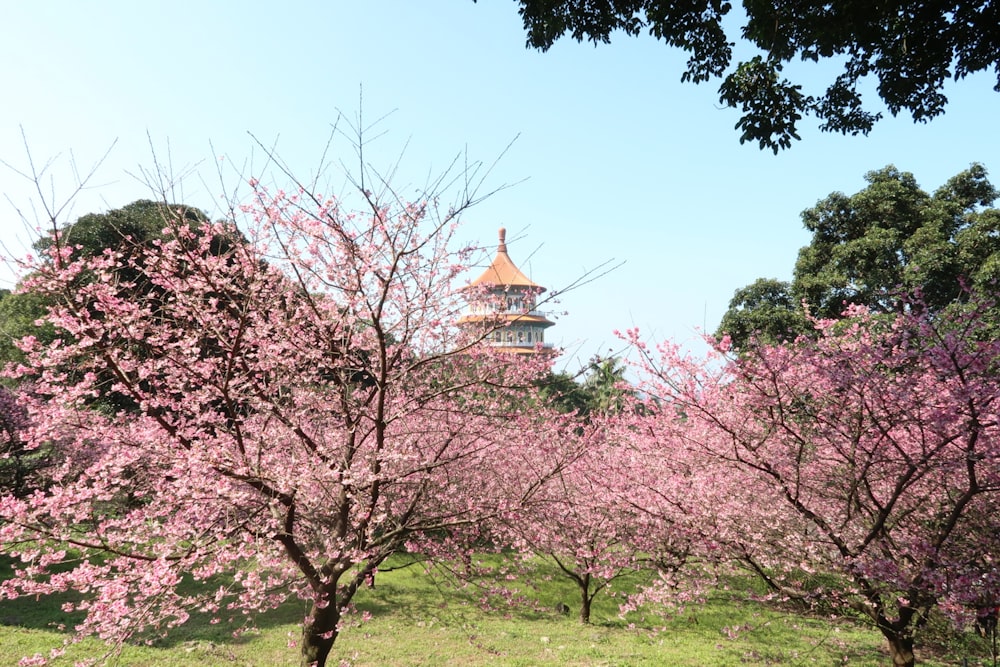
605, 385
124, 229
765, 311
601, 390
563, 392
19, 312
886, 247
135, 224
22, 313
909, 48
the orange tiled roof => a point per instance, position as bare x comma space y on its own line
509, 318
503, 272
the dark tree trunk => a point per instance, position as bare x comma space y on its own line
899, 634
901, 651
585, 599
319, 632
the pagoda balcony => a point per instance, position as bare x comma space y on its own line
514, 343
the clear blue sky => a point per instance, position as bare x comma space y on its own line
622, 162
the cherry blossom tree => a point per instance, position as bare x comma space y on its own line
859, 470
620, 509
578, 521
671, 491
20, 466
299, 408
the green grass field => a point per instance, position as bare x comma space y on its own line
418, 622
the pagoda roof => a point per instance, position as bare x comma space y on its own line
503, 272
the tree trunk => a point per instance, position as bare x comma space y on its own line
899, 633
901, 651
319, 632
585, 599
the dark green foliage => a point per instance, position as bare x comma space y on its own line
125, 229
129, 230
564, 392
888, 247
601, 391
893, 239
604, 384
133, 225
19, 312
765, 311
910, 49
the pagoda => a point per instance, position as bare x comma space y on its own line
504, 306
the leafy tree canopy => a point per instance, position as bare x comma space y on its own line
126, 228
137, 223
764, 310
601, 390
876, 248
19, 313
909, 49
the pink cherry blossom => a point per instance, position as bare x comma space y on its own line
869, 455
287, 401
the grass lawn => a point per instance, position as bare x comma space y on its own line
416, 622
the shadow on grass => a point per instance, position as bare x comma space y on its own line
767, 634
42, 612
407, 590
